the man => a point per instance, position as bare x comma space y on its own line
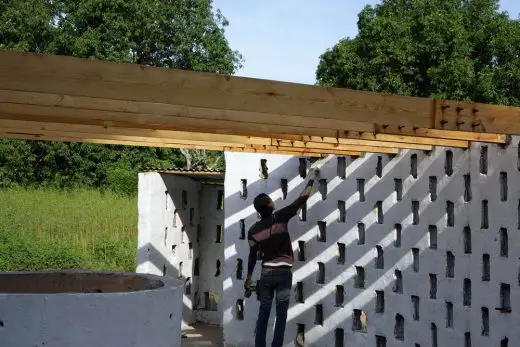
271, 237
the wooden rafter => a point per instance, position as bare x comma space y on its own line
54, 97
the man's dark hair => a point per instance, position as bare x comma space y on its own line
261, 204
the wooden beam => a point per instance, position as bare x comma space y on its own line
56, 108
38, 137
165, 135
92, 78
443, 134
328, 146
324, 142
87, 92
162, 136
472, 116
309, 150
41, 137
404, 139
111, 132
302, 153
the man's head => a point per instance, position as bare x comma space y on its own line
264, 205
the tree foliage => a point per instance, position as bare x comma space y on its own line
457, 49
185, 34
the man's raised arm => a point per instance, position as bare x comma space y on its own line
290, 211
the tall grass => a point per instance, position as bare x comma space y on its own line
47, 229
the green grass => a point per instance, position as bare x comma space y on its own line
44, 229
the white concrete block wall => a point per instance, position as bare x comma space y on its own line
449, 210
211, 252
167, 231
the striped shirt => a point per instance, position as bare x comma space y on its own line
270, 237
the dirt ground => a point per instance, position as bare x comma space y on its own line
200, 335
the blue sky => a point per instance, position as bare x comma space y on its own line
283, 39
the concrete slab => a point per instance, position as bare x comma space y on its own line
199, 335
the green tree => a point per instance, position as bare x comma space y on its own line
457, 49
184, 34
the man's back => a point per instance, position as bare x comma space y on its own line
271, 235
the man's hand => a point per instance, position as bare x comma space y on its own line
247, 283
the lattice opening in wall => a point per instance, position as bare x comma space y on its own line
380, 301
320, 278
302, 167
359, 321
220, 200
433, 286
413, 165
340, 296
380, 341
184, 200
361, 189
341, 253
318, 314
341, 167
467, 188
301, 250
448, 163
484, 160
339, 338
398, 282
466, 236
398, 187
379, 167
342, 213
433, 188
399, 327
264, 171
359, 279
242, 226
322, 231
449, 314
380, 259
415, 256
361, 233
503, 186
432, 232
323, 188
415, 306
284, 186
485, 321
397, 232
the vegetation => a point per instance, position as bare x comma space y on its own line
455, 49
185, 34
49, 229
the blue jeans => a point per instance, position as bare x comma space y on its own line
273, 281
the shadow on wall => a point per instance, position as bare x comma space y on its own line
390, 251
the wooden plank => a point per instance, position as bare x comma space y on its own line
405, 139
160, 135
117, 138
119, 117
301, 144
477, 117
192, 136
443, 134
68, 130
102, 79
303, 153
148, 109
309, 150
155, 122
38, 137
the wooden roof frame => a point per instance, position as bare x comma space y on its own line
70, 99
